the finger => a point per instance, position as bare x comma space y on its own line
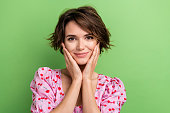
65, 54
93, 55
98, 51
97, 55
66, 57
70, 58
99, 47
95, 59
62, 44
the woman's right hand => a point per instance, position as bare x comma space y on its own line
71, 65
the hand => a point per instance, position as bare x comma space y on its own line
71, 65
91, 64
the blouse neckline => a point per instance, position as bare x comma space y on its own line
63, 91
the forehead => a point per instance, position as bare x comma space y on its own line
73, 28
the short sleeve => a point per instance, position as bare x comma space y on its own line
114, 96
43, 96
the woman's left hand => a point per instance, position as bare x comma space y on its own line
91, 64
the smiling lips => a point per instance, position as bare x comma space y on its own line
81, 55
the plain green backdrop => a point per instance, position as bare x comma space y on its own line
140, 31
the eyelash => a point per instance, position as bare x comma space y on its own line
88, 37
70, 38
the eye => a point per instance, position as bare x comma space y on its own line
89, 37
71, 38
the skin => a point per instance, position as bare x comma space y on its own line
79, 41
80, 70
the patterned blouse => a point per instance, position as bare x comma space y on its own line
47, 91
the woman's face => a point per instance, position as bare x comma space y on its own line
79, 43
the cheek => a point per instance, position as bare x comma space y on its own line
92, 46
69, 46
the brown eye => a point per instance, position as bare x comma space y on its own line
89, 37
71, 38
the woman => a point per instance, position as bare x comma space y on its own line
81, 36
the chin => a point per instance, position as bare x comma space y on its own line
81, 62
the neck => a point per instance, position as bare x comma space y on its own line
66, 72
81, 67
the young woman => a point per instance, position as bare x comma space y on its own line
81, 36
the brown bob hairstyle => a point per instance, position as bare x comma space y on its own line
88, 19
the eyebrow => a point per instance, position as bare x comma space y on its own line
75, 35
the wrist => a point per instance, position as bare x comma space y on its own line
77, 80
87, 80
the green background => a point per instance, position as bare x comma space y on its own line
140, 31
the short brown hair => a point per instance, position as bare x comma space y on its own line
88, 19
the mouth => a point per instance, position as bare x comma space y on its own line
81, 55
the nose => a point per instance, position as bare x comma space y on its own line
80, 45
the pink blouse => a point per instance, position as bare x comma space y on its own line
47, 91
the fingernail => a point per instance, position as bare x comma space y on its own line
63, 45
